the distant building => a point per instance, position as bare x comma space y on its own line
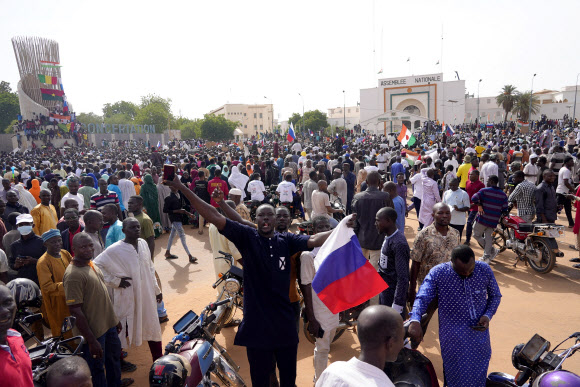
336, 116
554, 104
253, 119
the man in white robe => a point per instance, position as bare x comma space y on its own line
128, 270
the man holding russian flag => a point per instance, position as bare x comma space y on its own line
268, 329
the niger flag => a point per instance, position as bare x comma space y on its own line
406, 137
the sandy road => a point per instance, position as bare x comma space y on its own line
531, 303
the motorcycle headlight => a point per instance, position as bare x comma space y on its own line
232, 285
516, 359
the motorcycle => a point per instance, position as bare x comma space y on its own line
347, 320
52, 350
23, 319
233, 290
253, 207
533, 243
411, 368
200, 348
305, 228
538, 365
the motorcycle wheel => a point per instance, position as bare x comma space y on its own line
498, 240
312, 339
548, 258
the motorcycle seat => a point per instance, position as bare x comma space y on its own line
526, 227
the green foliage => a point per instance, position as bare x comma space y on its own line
9, 106
315, 120
119, 118
522, 105
10, 128
294, 119
507, 99
189, 128
217, 128
89, 118
154, 110
121, 107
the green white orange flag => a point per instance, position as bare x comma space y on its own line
406, 137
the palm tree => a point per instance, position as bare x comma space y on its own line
507, 99
522, 105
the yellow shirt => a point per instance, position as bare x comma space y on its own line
479, 149
463, 174
45, 218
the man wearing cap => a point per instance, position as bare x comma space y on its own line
531, 169
50, 268
489, 167
26, 250
463, 171
236, 197
44, 214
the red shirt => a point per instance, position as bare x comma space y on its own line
215, 183
15, 364
471, 189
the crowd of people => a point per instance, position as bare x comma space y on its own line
82, 224
44, 129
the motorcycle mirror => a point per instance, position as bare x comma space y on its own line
68, 324
32, 318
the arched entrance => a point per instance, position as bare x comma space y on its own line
415, 107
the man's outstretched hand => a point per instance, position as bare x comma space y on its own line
175, 183
217, 195
352, 221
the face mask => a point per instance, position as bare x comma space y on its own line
25, 230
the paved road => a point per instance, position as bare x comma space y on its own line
531, 303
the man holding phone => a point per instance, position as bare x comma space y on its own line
468, 297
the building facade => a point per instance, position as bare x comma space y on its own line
410, 101
253, 120
337, 117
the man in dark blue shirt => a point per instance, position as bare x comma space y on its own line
268, 329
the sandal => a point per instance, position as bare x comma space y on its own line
127, 367
200, 232
127, 382
171, 256
163, 319
192, 259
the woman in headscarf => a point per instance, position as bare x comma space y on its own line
194, 175
35, 190
238, 180
360, 178
151, 203
163, 191
137, 184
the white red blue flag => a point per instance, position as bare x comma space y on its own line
291, 136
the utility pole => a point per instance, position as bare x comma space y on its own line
344, 110
302, 111
575, 93
531, 99
478, 101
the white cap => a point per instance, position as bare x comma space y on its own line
236, 191
24, 218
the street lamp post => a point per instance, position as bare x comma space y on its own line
531, 99
478, 101
453, 102
344, 110
302, 130
575, 93
272, 113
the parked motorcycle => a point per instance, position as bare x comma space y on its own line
533, 243
52, 350
233, 290
347, 320
538, 365
203, 354
305, 228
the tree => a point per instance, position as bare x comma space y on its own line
507, 99
315, 120
9, 106
154, 110
121, 107
217, 128
522, 105
189, 128
294, 119
89, 118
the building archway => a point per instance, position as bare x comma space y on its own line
413, 106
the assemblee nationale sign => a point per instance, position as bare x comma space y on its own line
413, 80
120, 128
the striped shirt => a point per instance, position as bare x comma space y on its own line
494, 201
524, 195
99, 200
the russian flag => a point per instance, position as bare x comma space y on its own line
489, 125
449, 131
344, 277
291, 136
158, 144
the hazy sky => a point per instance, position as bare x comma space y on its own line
202, 54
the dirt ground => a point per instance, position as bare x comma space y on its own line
531, 303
